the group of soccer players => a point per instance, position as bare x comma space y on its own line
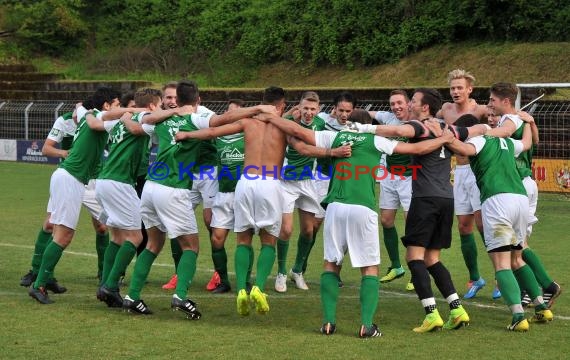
252, 166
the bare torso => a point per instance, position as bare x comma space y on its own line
452, 111
264, 147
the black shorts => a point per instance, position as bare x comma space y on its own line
429, 223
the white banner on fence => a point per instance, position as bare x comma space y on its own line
8, 150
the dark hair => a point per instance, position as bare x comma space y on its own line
145, 97
273, 95
505, 91
170, 85
187, 93
104, 95
238, 102
88, 103
360, 116
466, 120
400, 92
127, 98
344, 96
432, 98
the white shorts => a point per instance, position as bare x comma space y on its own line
352, 227
395, 192
258, 205
66, 194
322, 187
223, 211
466, 195
532, 193
169, 209
300, 194
120, 203
204, 188
504, 220
90, 200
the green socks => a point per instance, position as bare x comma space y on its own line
185, 271
242, 264
264, 265
469, 250
140, 273
220, 259
537, 267
304, 246
391, 242
527, 281
123, 258
176, 252
282, 250
369, 286
42, 241
329, 296
109, 260
509, 286
51, 257
101, 243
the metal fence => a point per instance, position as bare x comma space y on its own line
25, 120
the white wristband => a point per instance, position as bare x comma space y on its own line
368, 128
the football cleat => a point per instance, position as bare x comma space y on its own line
222, 288
542, 316
328, 329
432, 322
260, 300
457, 318
214, 282
135, 306
186, 306
281, 283
111, 297
551, 294
28, 279
369, 331
53, 286
299, 280
171, 284
40, 295
243, 302
393, 274
521, 325
474, 288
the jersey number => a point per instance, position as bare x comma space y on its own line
173, 132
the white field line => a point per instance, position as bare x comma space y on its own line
276, 297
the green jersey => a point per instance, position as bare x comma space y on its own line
175, 160
84, 160
352, 180
231, 155
494, 166
297, 166
126, 152
524, 160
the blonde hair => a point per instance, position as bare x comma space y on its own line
460, 74
310, 96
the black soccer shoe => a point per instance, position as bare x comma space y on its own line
135, 306
186, 306
53, 286
28, 279
222, 288
111, 297
328, 329
40, 294
369, 331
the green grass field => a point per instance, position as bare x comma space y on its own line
79, 326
